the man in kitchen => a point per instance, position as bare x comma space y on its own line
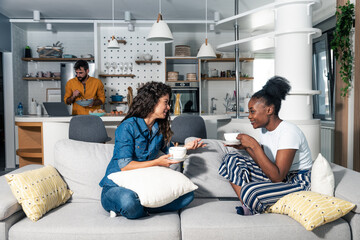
86, 93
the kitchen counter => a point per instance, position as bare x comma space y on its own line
54, 129
105, 119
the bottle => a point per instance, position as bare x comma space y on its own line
177, 108
20, 109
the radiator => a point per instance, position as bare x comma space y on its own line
327, 142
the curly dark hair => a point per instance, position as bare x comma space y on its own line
81, 63
275, 90
144, 103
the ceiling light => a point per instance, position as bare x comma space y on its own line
206, 51
113, 42
36, 15
48, 26
160, 31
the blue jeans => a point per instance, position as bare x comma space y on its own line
127, 203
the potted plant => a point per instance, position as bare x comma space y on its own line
341, 44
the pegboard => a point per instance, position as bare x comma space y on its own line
134, 49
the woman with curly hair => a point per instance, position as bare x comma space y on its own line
144, 132
277, 165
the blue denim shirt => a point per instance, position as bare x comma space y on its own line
134, 142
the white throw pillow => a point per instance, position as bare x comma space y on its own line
155, 186
322, 177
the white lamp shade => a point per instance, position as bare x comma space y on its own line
113, 43
206, 51
160, 32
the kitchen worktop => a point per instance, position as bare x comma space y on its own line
46, 118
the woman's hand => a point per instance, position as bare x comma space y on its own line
194, 144
165, 161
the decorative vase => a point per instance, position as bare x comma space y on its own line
177, 108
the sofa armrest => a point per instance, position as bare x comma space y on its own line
8, 203
347, 185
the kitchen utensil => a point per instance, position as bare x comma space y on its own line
182, 50
116, 98
129, 96
173, 76
97, 114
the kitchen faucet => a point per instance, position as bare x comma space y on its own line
213, 107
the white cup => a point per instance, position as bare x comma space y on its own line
177, 152
231, 137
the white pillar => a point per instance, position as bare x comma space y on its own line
293, 54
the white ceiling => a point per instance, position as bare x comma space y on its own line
140, 9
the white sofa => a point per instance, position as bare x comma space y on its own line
211, 215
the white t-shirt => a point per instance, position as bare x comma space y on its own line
287, 136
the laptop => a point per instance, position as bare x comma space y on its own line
58, 109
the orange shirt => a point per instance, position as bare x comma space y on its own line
94, 88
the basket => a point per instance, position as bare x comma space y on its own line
172, 76
191, 76
50, 52
182, 51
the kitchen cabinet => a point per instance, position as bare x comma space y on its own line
30, 139
188, 89
183, 65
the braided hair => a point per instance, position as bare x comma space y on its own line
275, 90
145, 101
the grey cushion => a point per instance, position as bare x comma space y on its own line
77, 221
82, 165
185, 126
214, 219
88, 128
202, 169
8, 203
347, 185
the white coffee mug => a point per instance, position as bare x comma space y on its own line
177, 152
231, 137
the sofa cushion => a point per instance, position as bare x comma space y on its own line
8, 203
156, 186
82, 165
312, 209
38, 191
347, 185
74, 221
202, 169
214, 219
322, 177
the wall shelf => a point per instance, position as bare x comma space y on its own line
138, 62
228, 60
55, 59
182, 81
227, 78
120, 41
115, 102
42, 78
117, 75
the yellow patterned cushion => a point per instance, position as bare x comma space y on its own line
38, 191
311, 209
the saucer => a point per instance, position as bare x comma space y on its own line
179, 159
232, 142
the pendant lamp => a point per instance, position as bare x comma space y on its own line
113, 42
206, 51
160, 31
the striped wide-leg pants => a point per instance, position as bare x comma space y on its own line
257, 190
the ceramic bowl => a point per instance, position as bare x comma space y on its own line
84, 102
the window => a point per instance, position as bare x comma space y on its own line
324, 77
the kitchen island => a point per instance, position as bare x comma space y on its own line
37, 135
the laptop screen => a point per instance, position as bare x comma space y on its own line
58, 109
